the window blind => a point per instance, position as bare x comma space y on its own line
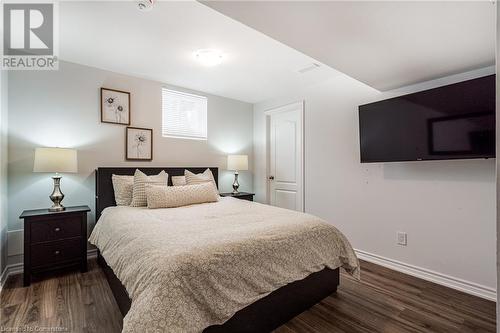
184, 115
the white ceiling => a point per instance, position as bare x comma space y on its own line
159, 44
385, 44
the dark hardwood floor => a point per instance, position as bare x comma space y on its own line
388, 301
384, 301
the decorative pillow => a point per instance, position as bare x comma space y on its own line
139, 189
177, 196
178, 180
206, 176
123, 185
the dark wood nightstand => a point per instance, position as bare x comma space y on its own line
240, 195
54, 240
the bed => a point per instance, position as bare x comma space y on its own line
228, 266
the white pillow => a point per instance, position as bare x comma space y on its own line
206, 176
178, 180
177, 196
139, 189
122, 186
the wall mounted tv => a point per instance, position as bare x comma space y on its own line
456, 121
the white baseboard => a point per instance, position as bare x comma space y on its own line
432, 276
10, 270
17, 268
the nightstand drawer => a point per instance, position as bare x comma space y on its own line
55, 229
54, 252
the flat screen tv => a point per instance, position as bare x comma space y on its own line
456, 121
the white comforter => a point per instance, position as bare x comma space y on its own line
191, 267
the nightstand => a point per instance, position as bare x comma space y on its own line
54, 240
240, 195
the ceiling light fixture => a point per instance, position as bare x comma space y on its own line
145, 5
209, 57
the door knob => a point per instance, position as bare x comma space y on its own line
271, 177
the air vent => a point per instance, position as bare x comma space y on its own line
313, 66
145, 5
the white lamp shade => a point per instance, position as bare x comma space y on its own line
237, 162
55, 160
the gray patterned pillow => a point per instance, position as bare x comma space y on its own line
177, 196
139, 189
205, 177
123, 186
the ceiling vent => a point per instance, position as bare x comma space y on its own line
312, 67
145, 5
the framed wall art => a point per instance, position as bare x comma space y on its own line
115, 106
139, 144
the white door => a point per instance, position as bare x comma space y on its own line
286, 157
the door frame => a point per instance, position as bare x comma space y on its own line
268, 113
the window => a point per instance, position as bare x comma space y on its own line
184, 115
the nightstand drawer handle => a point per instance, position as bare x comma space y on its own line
56, 252
57, 229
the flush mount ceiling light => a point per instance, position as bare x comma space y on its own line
145, 5
209, 57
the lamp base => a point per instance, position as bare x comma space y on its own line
57, 196
236, 185
57, 209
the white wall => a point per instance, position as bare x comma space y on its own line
446, 207
61, 108
3, 170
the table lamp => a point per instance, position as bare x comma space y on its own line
56, 160
237, 163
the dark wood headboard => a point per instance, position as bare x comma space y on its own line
105, 195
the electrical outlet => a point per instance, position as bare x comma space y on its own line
402, 238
